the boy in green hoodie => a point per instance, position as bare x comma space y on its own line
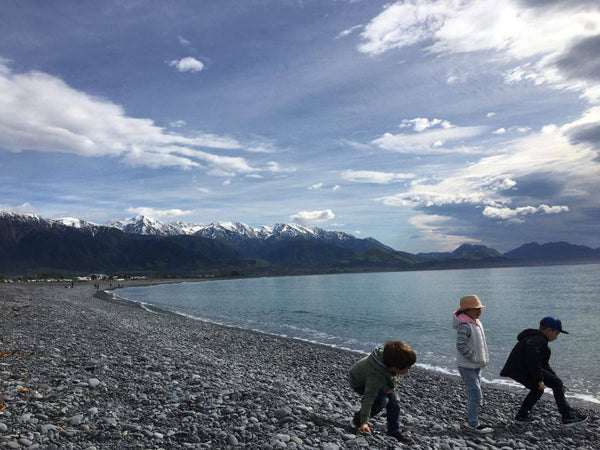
374, 378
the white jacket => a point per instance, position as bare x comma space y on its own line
472, 351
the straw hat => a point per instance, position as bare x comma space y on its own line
470, 302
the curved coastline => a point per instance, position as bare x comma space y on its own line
86, 370
577, 399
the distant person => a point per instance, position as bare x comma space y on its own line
374, 378
472, 356
528, 364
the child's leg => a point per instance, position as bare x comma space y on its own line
530, 400
556, 384
393, 413
471, 378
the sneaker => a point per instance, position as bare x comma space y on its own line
574, 420
480, 429
523, 419
401, 437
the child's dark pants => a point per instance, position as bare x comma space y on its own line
392, 407
535, 393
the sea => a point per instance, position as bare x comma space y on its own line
358, 312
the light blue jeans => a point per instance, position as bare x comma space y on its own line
472, 380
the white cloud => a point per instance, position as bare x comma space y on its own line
420, 124
183, 41
518, 214
308, 217
490, 114
535, 35
178, 124
275, 167
429, 142
24, 208
356, 145
159, 213
523, 129
490, 182
187, 64
499, 131
348, 31
315, 187
41, 112
337, 187
368, 176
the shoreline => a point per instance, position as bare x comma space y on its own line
84, 372
577, 400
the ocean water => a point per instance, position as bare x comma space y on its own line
360, 311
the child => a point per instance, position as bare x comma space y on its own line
528, 364
374, 377
472, 356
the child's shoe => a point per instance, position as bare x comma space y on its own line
480, 429
523, 418
401, 437
574, 419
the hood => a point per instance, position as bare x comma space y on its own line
377, 355
530, 332
462, 318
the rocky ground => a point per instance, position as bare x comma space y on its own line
83, 372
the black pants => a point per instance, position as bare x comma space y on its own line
535, 393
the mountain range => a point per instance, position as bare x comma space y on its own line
33, 244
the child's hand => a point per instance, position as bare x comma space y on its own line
565, 388
364, 428
389, 391
541, 385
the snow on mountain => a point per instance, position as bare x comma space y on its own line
148, 226
233, 233
26, 222
79, 224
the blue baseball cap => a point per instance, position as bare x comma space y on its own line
553, 322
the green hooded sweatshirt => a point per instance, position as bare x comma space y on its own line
372, 374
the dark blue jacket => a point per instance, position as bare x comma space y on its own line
528, 358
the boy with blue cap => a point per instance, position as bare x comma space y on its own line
528, 364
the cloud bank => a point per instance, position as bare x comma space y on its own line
41, 112
556, 45
312, 217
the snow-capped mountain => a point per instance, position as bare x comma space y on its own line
248, 240
148, 226
21, 223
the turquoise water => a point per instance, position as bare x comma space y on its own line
360, 311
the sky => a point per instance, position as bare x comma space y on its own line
423, 124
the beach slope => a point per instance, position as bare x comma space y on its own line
83, 371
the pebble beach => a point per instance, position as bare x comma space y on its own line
82, 370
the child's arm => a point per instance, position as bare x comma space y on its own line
372, 388
463, 333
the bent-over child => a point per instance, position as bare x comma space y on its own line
374, 378
529, 364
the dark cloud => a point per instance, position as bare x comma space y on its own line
583, 59
587, 134
536, 187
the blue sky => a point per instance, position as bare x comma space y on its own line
424, 124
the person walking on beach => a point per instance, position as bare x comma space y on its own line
374, 378
529, 364
472, 356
